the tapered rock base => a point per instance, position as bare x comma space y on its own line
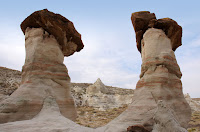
43, 75
160, 80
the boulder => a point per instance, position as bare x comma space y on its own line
140, 21
144, 19
171, 29
61, 28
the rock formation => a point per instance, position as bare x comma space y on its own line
160, 76
48, 120
101, 97
48, 38
46, 78
114, 97
195, 105
95, 117
165, 120
61, 28
144, 20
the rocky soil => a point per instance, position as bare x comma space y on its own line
194, 124
9, 80
91, 117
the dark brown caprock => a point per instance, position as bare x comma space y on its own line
144, 19
58, 26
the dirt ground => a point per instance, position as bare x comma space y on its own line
90, 117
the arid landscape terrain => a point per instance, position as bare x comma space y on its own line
42, 97
90, 116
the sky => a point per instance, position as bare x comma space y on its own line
110, 51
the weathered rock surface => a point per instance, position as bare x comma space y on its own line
144, 20
140, 21
58, 26
194, 104
48, 120
165, 120
43, 73
103, 98
160, 80
88, 116
117, 96
171, 29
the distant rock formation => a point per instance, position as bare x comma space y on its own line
159, 79
101, 97
195, 105
48, 38
83, 93
9, 80
97, 88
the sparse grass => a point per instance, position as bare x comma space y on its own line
90, 117
193, 130
194, 124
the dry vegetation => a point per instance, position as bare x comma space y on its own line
87, 116
194, 124
90, 117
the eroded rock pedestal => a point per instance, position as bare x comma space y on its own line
159, 79
48, 38
158, 102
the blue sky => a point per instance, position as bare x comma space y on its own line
110, 49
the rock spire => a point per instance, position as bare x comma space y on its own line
48, 38
160, 75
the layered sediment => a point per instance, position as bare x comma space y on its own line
43, 73
159, 79
158, 102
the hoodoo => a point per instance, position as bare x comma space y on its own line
48, 38
159, 79
158, 103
